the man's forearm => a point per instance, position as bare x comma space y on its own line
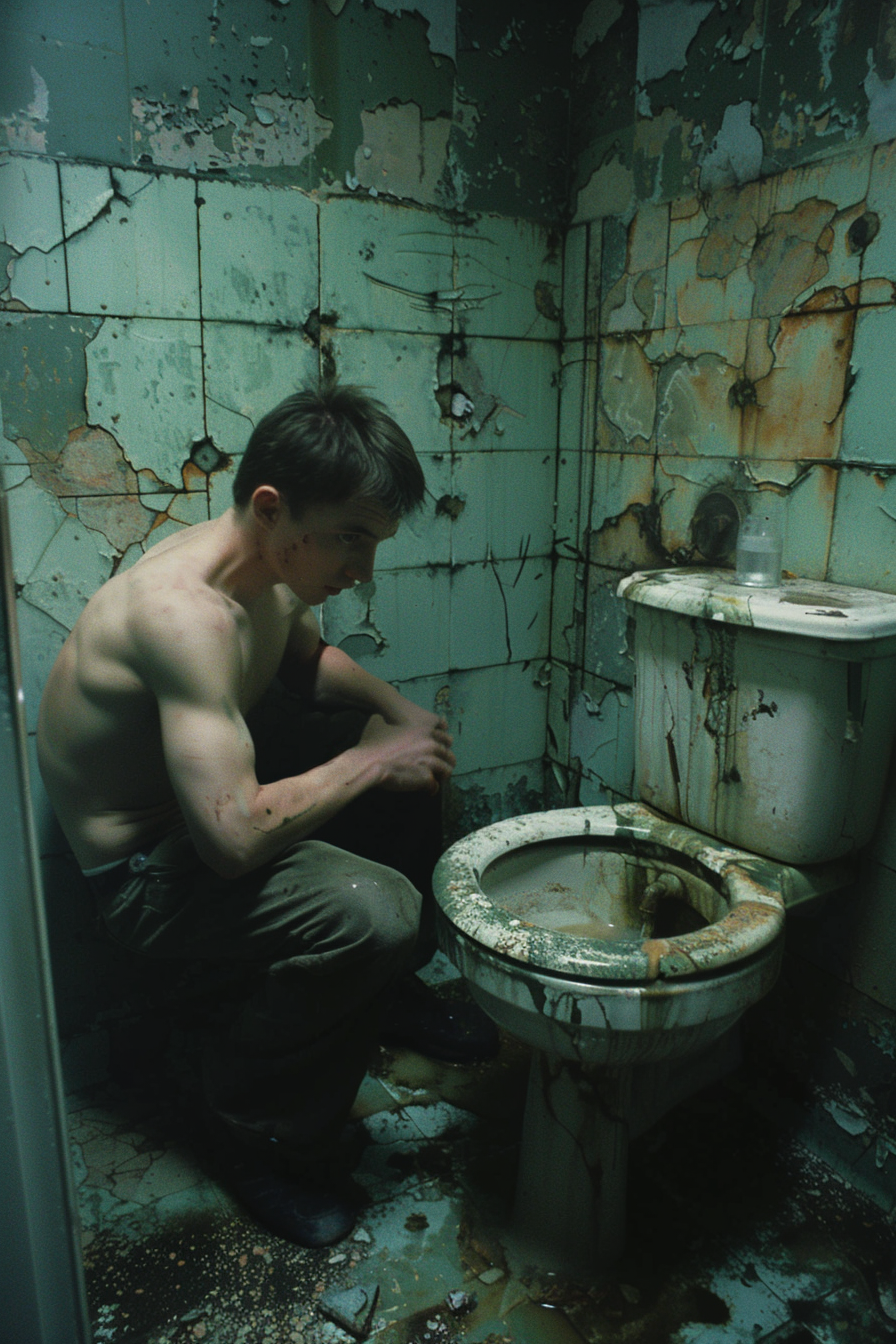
339, 678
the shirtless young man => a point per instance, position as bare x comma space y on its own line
150, 764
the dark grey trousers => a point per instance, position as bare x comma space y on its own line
324, 933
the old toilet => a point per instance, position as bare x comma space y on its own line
623, 943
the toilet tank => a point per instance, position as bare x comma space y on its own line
763, 716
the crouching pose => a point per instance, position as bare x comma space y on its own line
235, 789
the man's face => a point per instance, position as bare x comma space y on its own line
332, 546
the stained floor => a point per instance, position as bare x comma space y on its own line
735, 1232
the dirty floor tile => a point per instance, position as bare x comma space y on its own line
772, 1247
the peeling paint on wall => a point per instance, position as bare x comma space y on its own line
735, 155
441, 19
665, 32
402, 154
282, 132
27, 131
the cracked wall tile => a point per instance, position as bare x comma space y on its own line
249, 369
14, 468
635, 299
709, 254
697, 397
799, 499
606, 648
398, 626
504, 511
807, 519
624, 520
87, 190
568, 610
871, 406
37, 282
792, 259
68, 573
30, 213
34, 519
483, 796
424, 538
572, 490
798, 410
145, 387
511, 274
500, 612
399, 369
31, 227
124, 520
559, 682
635, 303
879, 255
602, 736
626, 396
648, 239
863, 539
91, 463
181, 509
498, 715
512, 386
578, 394
258, 246
131, 242
43, 377
386, 267
679, 485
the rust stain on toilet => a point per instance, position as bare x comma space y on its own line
728, 934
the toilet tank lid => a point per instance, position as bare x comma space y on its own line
799, 607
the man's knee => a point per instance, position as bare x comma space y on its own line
380, 913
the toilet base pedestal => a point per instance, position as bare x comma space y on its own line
572, 1184
571, 1188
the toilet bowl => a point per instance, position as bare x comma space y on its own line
623, 943
612, 941
610, 935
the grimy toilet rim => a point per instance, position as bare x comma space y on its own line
755, 890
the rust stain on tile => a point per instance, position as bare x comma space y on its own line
792, 254
91, 463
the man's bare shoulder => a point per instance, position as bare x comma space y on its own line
161, 611
173, 615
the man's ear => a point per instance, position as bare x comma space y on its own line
267, 505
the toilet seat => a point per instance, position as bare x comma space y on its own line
753, 888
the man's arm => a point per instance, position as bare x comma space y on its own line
193, 667
329, 676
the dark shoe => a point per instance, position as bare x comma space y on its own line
310, 1205
306, 1212
458, 1033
